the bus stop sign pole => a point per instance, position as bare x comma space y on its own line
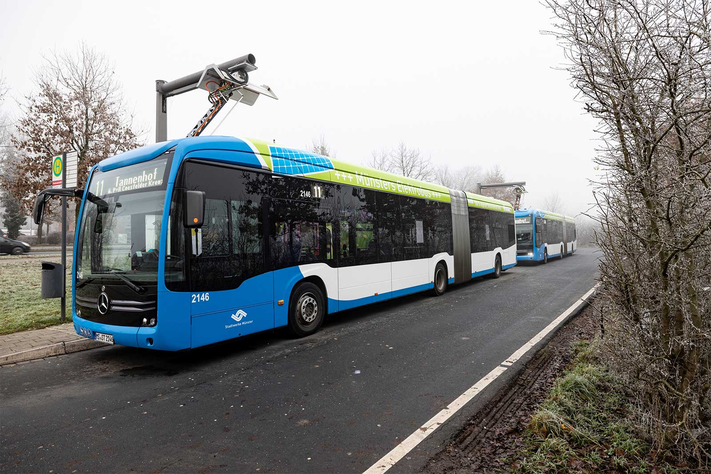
64, 240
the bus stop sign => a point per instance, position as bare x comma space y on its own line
59, 163
57, 166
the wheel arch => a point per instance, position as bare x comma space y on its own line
316, 281
443, 262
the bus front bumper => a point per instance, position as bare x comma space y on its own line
144, 337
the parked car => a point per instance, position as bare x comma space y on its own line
14, 247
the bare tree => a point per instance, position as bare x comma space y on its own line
408, 162
77, 106
3, 89
643, 69
380, 160
321, 147
463, 179
495, 175
554, 203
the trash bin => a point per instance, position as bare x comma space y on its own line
52, 280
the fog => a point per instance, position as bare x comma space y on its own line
465, 83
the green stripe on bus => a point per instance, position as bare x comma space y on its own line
263, 148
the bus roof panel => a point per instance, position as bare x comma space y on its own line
545, 214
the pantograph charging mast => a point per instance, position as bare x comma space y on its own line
518, 186
229, 80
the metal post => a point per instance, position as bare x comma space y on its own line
161, 113
64, 240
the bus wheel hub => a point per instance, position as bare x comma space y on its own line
309, 308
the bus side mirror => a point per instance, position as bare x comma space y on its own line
38, 210
41, 200
194, 209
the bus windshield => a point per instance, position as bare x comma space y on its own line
121, 223
524, 231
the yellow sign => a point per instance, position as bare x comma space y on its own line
57, 167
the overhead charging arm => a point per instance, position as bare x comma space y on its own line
225, 81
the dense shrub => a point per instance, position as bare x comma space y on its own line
29, 239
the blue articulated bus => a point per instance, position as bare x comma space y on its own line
541, 235
199, 240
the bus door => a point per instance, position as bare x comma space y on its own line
538, 236
565, 239
231, 287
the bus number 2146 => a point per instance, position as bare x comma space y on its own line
201, 297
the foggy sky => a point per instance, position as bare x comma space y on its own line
467, 83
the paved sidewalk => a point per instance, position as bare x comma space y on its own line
41, 343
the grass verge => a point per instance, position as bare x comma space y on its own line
21, 303
583, 425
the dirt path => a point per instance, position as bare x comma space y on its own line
495, 432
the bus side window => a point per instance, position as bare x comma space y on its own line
412, 211
346, 250
438, 225
358, 234
388, 227
479, 231
247, 237
215, 233
301, 232
512, 231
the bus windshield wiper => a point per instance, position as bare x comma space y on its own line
120, 273
85, 282
96, 199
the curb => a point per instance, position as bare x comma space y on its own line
59, 348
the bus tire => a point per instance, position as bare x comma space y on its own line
440, 279
545, 255
307, 308
562, 254
497, 267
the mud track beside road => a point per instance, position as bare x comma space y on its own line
495, 432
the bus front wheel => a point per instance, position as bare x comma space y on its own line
545, 256
440, 279
307, 308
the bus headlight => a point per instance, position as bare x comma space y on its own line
530, 254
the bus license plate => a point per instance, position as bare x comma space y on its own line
107, 338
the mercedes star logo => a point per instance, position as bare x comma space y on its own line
103, 303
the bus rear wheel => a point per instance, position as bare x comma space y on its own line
562, 254
440, 279
497, 267
306, 309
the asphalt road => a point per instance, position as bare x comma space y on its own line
335, 402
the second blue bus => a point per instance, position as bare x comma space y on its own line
541, 235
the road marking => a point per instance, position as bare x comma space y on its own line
402, 449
